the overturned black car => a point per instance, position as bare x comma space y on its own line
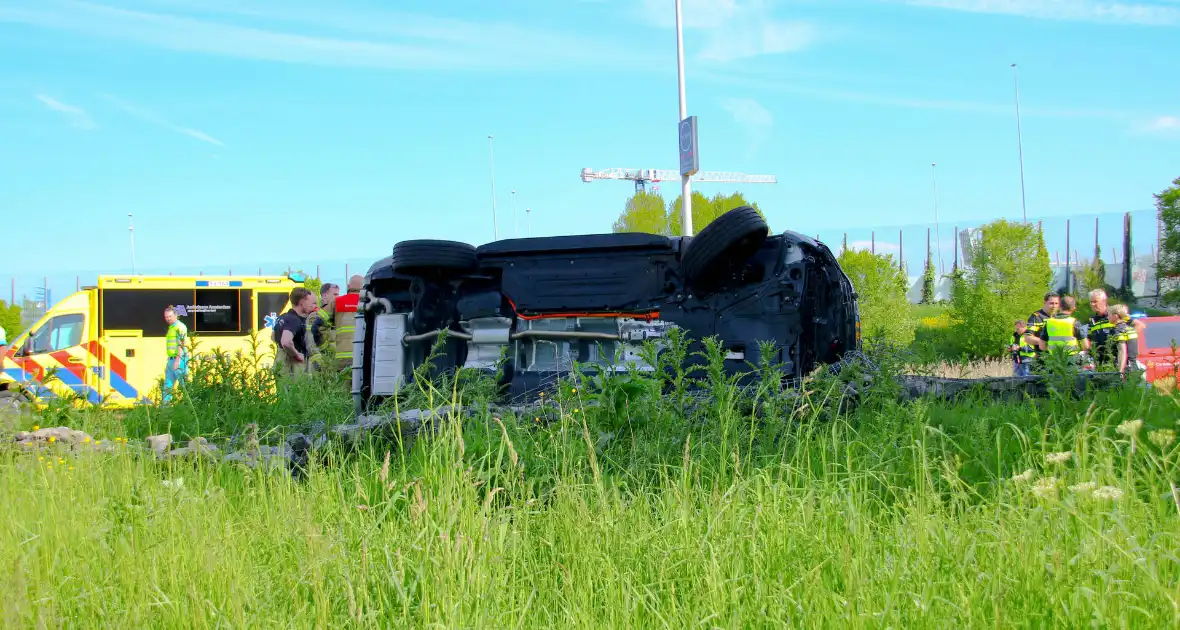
539, 304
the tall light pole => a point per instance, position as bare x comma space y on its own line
937, 232
131, 230
685, 187
1019, 144
492, 161
515, 224
528, 217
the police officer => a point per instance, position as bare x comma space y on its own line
1101, 329
1060, 331
1036, 321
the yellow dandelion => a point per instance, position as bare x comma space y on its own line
542, 394
86, 440
1058, 458
27, 444
52, 439
97, 442
574, 390
40, 458
36, 427
1024, 476
71, 468
1130, 428
60, 460
1162, 438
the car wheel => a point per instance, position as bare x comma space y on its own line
723, 246
430, 257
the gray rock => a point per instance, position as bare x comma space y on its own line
160, 443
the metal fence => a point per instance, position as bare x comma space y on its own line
1071, 241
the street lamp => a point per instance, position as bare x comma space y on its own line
685, 187
937, 232
515, 224
492, 161
131, 230
528, 217
1019, 144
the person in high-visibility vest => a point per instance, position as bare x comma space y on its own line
1023, 354
345, 323
1059, 331
1036, 321
1126, 339
177, 350
319, 326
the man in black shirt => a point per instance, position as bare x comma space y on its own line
291, 334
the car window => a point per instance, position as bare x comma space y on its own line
59, 333
1161, 334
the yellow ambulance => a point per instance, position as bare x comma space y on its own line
106, 344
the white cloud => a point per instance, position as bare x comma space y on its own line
155, 119
732, 29
290, 34
751, 116
854, 95
76, 115
1064, 10
1165, 124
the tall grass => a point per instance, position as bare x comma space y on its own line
614, 507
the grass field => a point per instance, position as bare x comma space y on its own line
615, 509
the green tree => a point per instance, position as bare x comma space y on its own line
10, 319
1167, 204
885, 314
705, 210
1008, 278
645, 212
928, 280
1093, 275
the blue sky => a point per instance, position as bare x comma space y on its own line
253, 131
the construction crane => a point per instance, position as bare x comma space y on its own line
641, 176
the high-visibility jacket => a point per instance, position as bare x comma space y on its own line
317, 350
345, 326
177, 334
325, 328
1060, 332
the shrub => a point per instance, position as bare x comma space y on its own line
1008, 278
886, 315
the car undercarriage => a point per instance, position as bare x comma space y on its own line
529, 308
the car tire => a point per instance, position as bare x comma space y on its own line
723, 245
431, 257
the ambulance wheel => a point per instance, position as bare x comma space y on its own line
724, 246
430, 257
